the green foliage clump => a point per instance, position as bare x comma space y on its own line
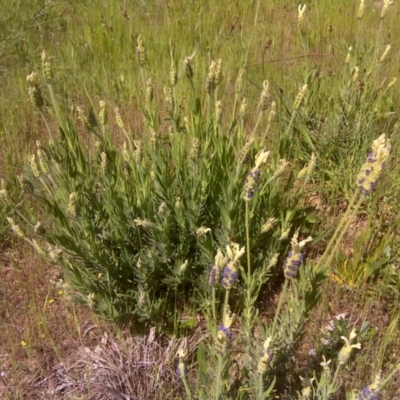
135, 227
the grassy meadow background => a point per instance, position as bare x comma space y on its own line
92, 45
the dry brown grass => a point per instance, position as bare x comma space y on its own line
39, 328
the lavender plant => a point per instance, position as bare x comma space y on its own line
135, 228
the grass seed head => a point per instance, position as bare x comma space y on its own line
385, 8
103, 163
349, 55
356, 72
141, 52
34, 166
32, 79
300, 97
72, 209
153, 140
218, 112
300, 17
218, 72
34, 92
4, 197
265, 96
173, 75
385, 53
211, 78
16, 229
149, 91
239, 81
25, 184
38, 248
118, 118
83, 118
169, 100
391, 83
361, 9
43, 158
138, 153
272, 113
308, 170
125, 153
103, 113
188, 67
46, 67
195, 149
243, 109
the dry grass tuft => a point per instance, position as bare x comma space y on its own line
139, 367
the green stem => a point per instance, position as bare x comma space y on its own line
225, 303
247, 222
47, 125
257, 123
336, 376
55, 104
280, 303
219, 378
342, 232
208, 108
332, 241
214, 314
390, 376
248, 312
260, 386
290, 123
188, 392
234, 110
252, 33
304, 43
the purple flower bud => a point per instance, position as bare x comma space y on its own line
181, 370
224, 339
212, 277
292, 264
230, 275
251, 183
368, 393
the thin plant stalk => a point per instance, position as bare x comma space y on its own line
339, 230
260, 386
187, 389
290, 123
214, 313
343, 231
219, 379
280, 303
